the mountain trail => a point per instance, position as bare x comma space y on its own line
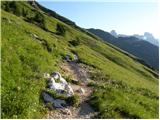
84, 110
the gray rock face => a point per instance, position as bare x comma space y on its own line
47, 98
67, 58
57, 103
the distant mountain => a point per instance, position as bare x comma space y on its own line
147, 37
113, 32
40, 40
132, 44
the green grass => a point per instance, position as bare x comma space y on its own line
123, 87
116, 100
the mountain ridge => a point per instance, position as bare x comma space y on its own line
133, 45
146, 37
40, 43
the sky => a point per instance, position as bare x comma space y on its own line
124, 17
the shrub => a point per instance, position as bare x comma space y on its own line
75, 42
39, 18
73, 100
18, 9
60, 29
68, 79
76, 82
91, 84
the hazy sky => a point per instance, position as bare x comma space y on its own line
124, 17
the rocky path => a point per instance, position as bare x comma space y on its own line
84, 110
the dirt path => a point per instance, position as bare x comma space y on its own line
84, 110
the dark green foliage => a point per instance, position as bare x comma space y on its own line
39, 19
75, 42
73, 100
68, 79
29, 15
55, 15
60, 29
65, 20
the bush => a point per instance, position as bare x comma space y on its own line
60, 29
76, 82
75, 42
68, 79
73, 100
91, 84
39, 18
18, 9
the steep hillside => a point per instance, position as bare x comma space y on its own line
140, 48
34, 42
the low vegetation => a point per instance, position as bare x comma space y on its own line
60, 29
73, 100
123, 88
115, 99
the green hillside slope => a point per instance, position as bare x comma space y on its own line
140, 48
32, 44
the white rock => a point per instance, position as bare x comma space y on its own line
62, 80
59, 86
75, 57
9, 21
51, 81
56, 75
69, 90
82, 91
34, 35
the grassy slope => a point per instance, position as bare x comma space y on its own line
24, 60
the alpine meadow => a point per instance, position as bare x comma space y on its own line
104, 81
